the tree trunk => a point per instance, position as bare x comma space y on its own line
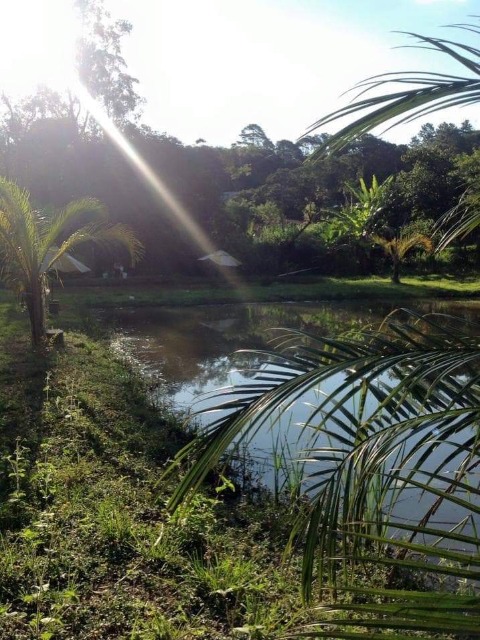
36, 311
396, 271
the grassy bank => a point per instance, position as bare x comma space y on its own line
87, 548
200, 292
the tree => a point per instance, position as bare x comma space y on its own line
397, 245
32, 241
374, 156
308, 144
289, 152
101, 67
254, 136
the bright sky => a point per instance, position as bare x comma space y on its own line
207, 68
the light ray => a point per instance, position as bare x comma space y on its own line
162, 193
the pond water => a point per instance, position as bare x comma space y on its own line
189, 352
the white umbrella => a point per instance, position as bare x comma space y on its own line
66, 263
222, 258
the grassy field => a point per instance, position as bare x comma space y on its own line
198, 292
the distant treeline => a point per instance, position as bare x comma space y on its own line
276, 206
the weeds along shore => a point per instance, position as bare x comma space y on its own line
87, 547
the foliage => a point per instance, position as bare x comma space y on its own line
28, 239
40, 146
397, 245
355, 220
101, 67
386, 401
265, 216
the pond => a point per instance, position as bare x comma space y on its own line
188, 352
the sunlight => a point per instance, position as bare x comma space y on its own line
37, 41
155, 183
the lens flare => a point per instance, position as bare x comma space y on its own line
163, 194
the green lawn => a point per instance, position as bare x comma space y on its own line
197, 292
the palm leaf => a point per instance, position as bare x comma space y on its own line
450, 555
460, 221
427, 93
56, 224
421, 382
19, 228
106, 235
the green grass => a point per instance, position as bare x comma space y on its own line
200, 292
87, 549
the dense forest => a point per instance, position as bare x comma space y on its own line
276, 206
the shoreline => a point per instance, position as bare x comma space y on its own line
327, 289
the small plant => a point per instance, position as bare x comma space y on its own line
18, 464
288, 472
225, 581
194, 522
156, 627
114, 522
43, 476
47, 386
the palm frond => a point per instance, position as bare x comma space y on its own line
401, 245
447, 561
428, 92
420, 390
59, 221
460, 221
15, 267
18, 215
106, 235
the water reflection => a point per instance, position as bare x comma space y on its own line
189, 350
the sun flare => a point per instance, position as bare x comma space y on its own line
37, 45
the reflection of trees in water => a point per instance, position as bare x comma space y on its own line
219, 370
194, 345
190, 345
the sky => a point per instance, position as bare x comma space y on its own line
208, 68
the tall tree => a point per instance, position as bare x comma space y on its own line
254, 136
101, 67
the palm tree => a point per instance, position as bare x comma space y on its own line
28, 242
396, 247
416, 387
